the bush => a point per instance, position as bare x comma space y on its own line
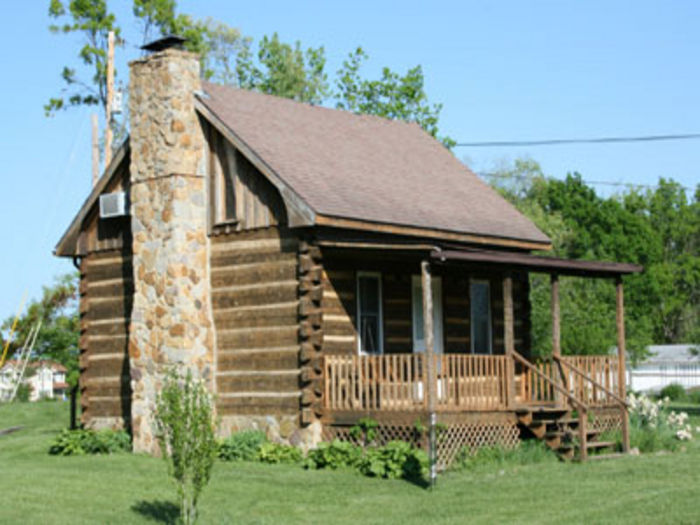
242, 446
674, 392
278, 453
24, 390
396, 459
334, 455
525, 453
184, 419
653, 427
79, 442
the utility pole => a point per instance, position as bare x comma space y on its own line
110, 93
95, 149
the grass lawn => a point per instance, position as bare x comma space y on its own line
126, 488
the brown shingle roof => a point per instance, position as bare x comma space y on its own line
366, 168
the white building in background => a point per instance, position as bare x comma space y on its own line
667, 364
47, 379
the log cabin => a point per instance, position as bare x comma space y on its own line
316, 267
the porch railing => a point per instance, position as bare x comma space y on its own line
399, 382
590, 379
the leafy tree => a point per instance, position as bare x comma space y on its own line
93, 20
391, 96
277, 68
185, 423
58, 338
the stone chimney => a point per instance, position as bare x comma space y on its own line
171, 319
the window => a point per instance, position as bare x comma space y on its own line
223, 167
417, 294
480, 301
369, 312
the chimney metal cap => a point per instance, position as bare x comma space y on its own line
167, 42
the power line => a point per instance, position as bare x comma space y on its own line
560, 142
590, 182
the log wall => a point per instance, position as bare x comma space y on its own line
257, 203
106, 294
340, 304
255, 302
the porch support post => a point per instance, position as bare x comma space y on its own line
621, 375
556, 334
509, 336
430, 364
556, 326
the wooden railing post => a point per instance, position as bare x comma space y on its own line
509, 336
556, 334
622, 380
430, 362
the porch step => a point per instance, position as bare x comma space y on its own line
600, 444
612, 455
560, 432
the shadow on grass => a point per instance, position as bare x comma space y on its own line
158, 510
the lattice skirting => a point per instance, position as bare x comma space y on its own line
605, 421
452, 437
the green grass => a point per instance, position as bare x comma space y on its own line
38, 488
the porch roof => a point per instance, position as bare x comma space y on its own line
537, 263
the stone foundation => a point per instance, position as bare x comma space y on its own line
278, 429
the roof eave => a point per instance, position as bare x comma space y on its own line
67, 245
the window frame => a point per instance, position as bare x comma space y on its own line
471, 317
218, 166
439, 335
380, 312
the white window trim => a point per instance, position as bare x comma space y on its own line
380, 323
438, 340
471, 324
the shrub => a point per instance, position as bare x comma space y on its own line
184, 419
653, 427
334, 455
24, 390
674, 392
279, 453
525, 453
396, 459
242, 446
79, 442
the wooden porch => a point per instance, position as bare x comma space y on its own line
472, 383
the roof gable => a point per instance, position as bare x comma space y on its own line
365, 168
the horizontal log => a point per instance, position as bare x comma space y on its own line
108, 407
111, 288
119, 325
267, 294
257, 404
339, 347
113, 344
109, 309
259, 337
259, 360
108, 272
283, 270
114, 366
267, 315
258, 382
338, 325
231, 259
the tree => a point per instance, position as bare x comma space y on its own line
392, 96
278, 68
186, 434
60, 330
94, 21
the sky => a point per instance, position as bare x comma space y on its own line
503, 70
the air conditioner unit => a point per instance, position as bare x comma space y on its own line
113, 205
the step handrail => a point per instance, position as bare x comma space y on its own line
558, 387
588, 378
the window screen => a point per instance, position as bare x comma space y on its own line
480, 301
369, 313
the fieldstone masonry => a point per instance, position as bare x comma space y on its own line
171, 320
